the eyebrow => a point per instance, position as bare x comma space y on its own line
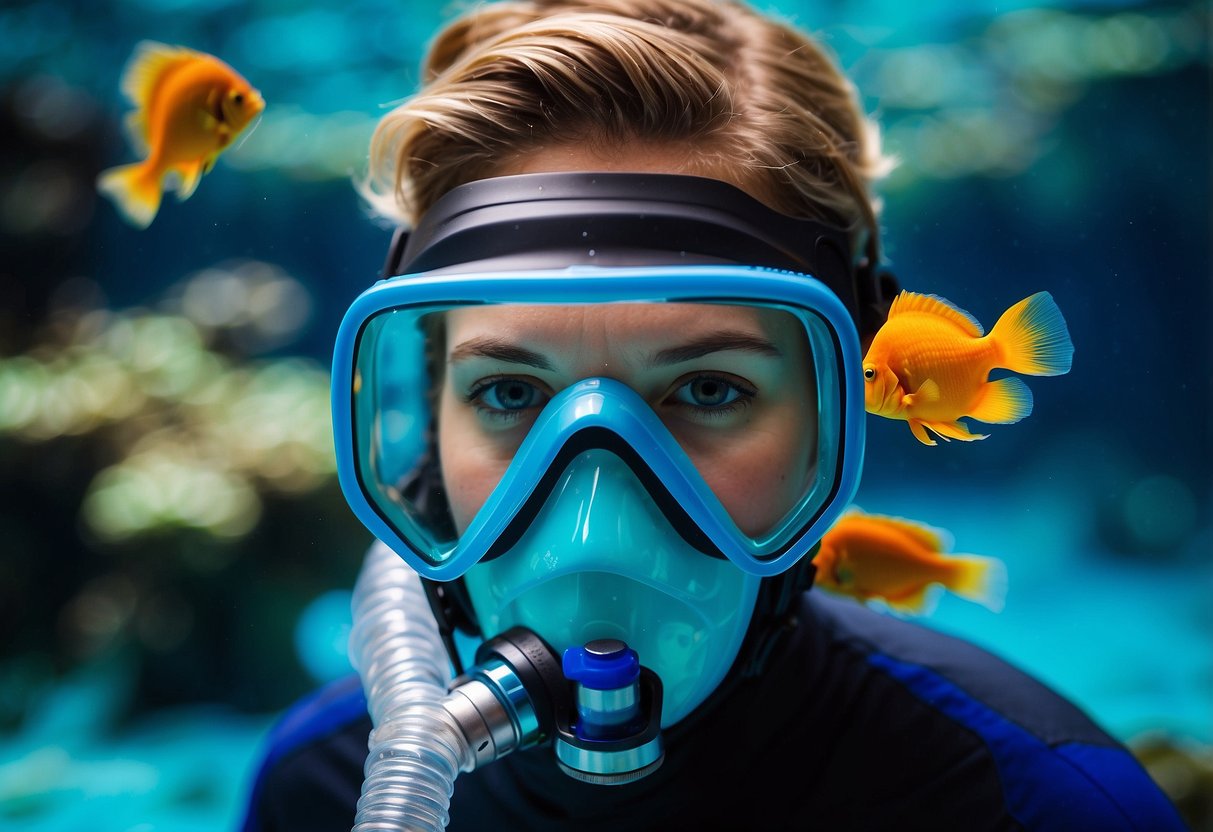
715, 342
499, 350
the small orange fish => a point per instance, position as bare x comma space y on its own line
870, 556
930, 364
189, 108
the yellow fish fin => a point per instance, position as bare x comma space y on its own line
135, 191
916, 428
147, 67
1003, 402
979, 579
191, 174
921, 601
954, 430
935, 305
926, 393
1033, 338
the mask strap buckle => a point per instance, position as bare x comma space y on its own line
395, 252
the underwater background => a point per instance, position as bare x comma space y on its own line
176, 557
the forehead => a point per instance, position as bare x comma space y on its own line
616, 323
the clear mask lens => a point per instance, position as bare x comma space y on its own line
749, 397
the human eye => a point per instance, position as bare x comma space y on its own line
713, 394
505, 398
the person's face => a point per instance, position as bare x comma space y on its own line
734, 386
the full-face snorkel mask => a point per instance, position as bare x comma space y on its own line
598, 518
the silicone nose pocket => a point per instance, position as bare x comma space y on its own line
601, 561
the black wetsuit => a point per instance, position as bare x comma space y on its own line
861, 722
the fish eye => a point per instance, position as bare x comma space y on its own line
869, 373
238, 98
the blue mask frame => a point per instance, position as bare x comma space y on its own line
605, 408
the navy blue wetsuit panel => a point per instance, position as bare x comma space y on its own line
861, 722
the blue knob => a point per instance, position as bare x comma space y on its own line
605, 664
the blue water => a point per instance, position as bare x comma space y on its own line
1130, 642
1045, 146
182, 770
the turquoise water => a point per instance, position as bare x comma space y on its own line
1130, 642
175, 559
182, 770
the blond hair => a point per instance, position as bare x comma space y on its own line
753, 101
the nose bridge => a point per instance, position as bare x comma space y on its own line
594, 348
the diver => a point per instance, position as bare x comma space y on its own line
599, 413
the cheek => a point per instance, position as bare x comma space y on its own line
470, 469
759, 481
467, 488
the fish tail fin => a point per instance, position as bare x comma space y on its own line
979, 579
1033, 337
1003, 402
135, 191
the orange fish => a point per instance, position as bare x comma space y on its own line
870, 556
189, 108
930, 364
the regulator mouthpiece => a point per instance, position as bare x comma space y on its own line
506, 702
608, 732
616, 736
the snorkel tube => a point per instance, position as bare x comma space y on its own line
517, 696
416, 747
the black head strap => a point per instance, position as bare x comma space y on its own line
552, 220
